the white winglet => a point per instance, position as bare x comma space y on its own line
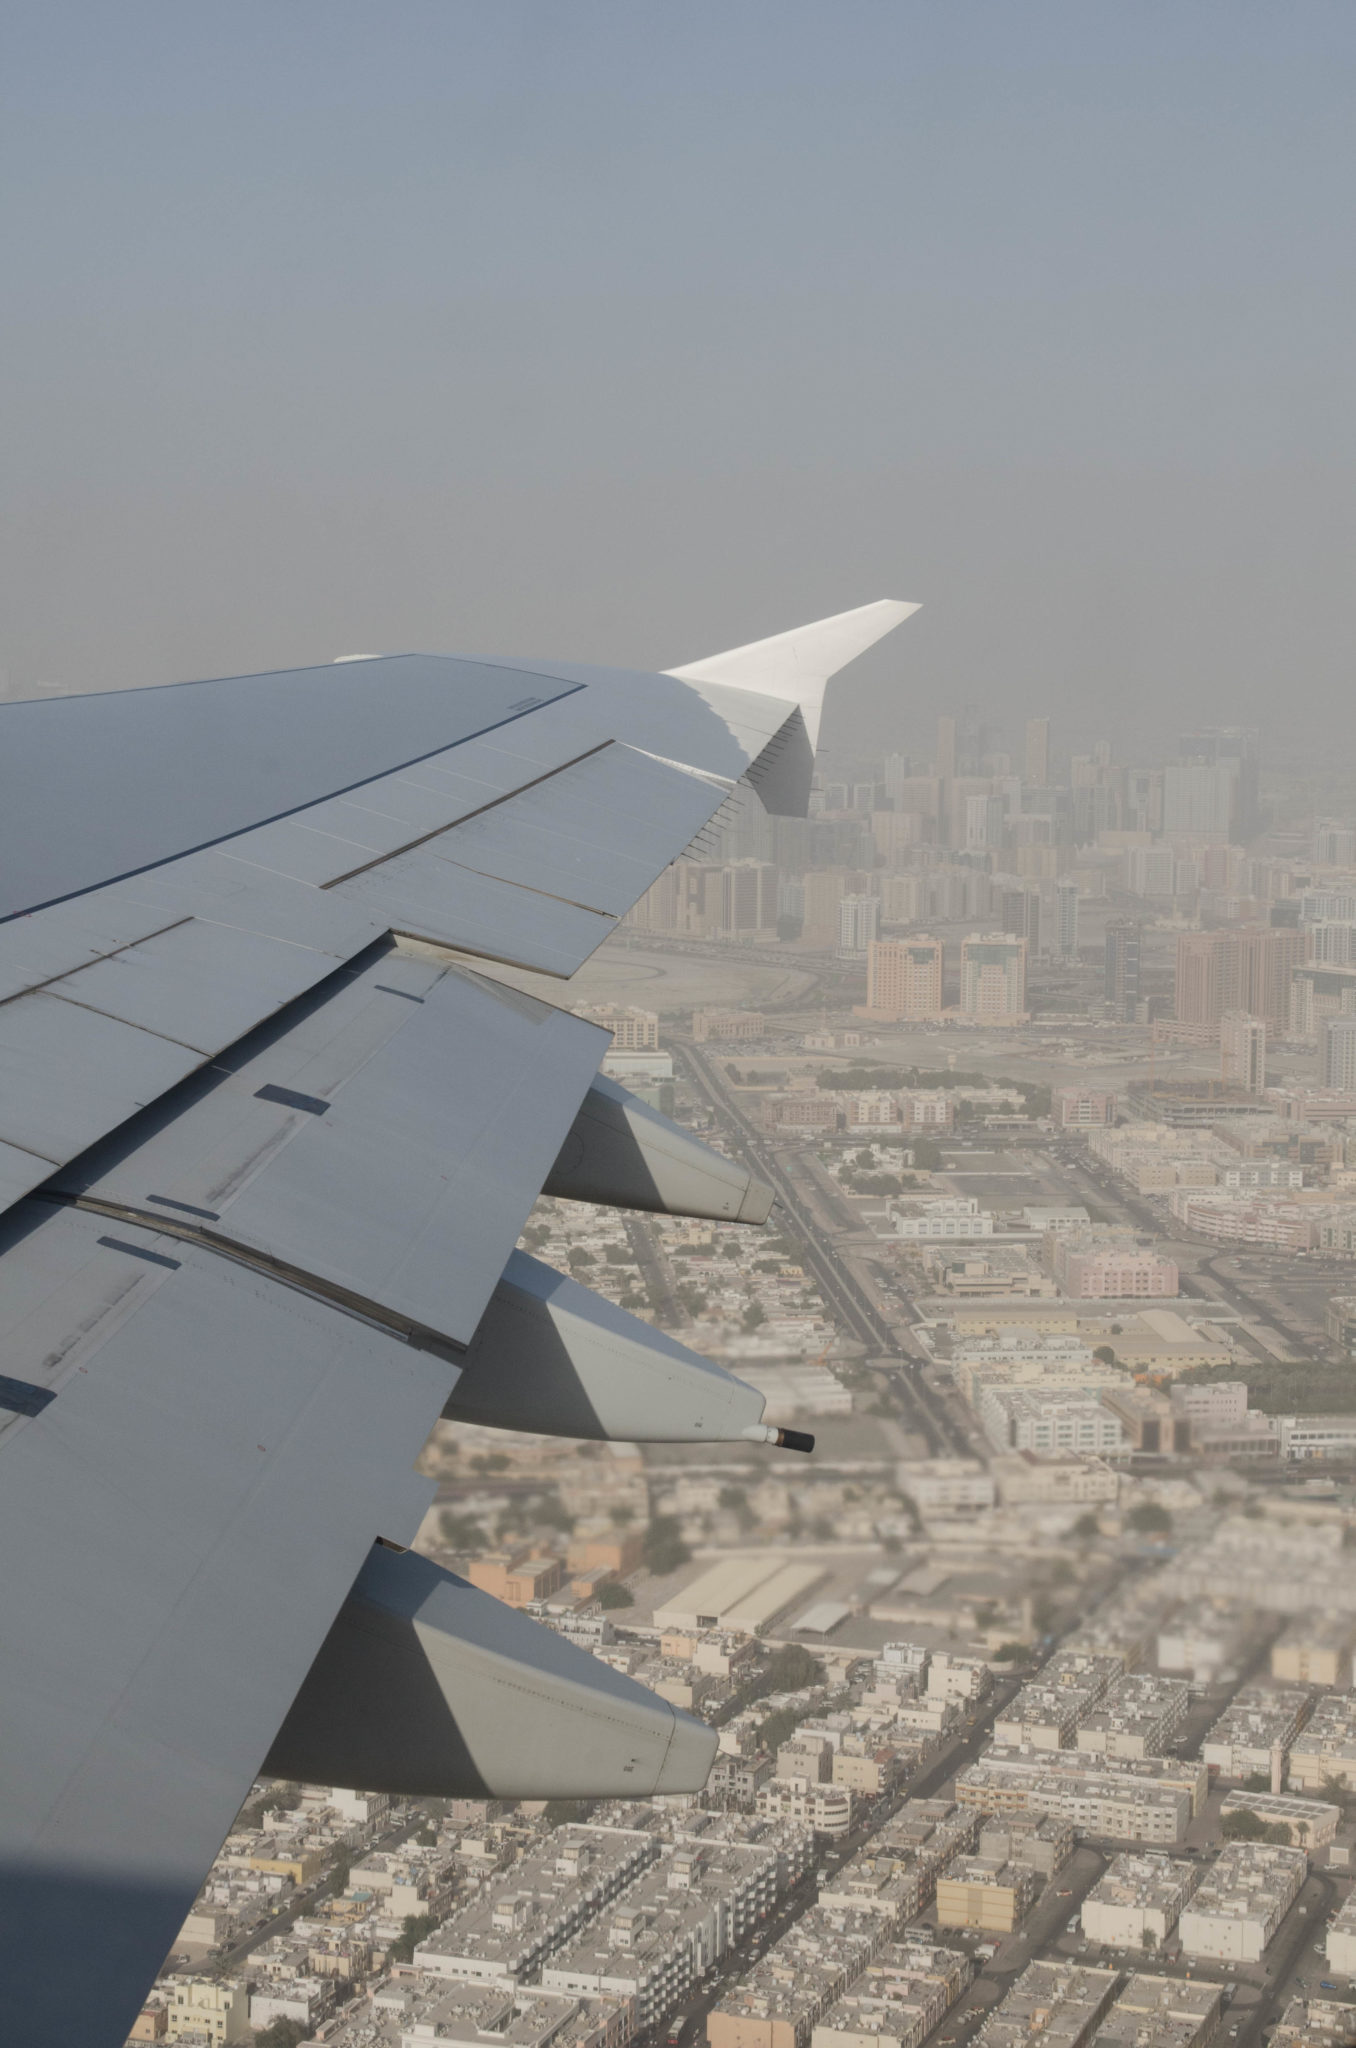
798, 664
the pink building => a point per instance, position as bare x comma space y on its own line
1075, 1106
1112, 1272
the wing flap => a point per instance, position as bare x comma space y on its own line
389, 1147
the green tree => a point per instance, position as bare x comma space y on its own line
614, 1594
778, 1728
560, 1813
792, 1668
1105, 1353
1086, 1527
927, 1156
664, 1548
736, 1501
1010, 1653
753, 1316
282, 2033
413, 1929
1149, 1518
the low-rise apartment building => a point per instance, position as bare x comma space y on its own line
895, 1875
1050, 2002
660, 1937
777, 2003
900, 1997
1041, 1716
535, 1906
1142, 1715
825, 1808
1316, 2023
1161, 2012
1253, 1735
1241, 1901
1121, 1800
1038, 1841
215, 2009
1138, 1900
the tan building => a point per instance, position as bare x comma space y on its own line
728, 1024
903, 980
216, 2007
632, 1030
516, 1581
976, 1891
620, 1551
150, 2024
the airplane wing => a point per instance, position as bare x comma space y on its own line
270, 1126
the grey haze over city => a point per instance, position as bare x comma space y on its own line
627, 331
677, 1026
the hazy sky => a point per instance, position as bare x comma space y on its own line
629, 331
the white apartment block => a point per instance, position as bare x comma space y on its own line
1025, 1419
1138, 1901
958, 1678
827, 1809
1041, 1716
949, 1217
1241, 1901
